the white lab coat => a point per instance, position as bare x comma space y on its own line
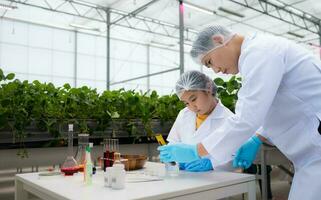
184, 130
281, 90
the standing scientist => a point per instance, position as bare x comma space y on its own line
281, 91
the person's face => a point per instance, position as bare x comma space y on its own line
223, 59
200, 102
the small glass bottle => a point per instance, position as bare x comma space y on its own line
70, 166
118, 173
172, 168
107, 176
88, 168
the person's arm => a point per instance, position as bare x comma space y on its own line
262, 74
263, 139
201, 150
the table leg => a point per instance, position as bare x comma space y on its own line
251, 195
264, 174
20, 193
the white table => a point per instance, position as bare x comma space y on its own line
187, 185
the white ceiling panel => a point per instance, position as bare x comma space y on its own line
166, 11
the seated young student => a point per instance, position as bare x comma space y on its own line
203, 115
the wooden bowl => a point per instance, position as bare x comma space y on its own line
134, 161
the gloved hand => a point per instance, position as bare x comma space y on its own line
179, 152
201, 165
246, 154
182, 166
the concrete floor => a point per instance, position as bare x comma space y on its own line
280, 185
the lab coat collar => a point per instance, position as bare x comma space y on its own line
218, 111
244, 46
190, 116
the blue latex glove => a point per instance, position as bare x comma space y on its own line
201, 165
182, 166
180, 152
246, 154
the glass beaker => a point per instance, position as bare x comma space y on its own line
110, 146
81, 150
70, 166
172, 168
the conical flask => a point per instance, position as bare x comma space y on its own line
81, 150
70, 166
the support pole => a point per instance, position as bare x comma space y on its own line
108, 48
181, 37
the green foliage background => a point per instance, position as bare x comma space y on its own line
23, 103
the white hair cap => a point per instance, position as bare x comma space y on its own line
194, 80
203, 43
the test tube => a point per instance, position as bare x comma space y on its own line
114, 148
106, 150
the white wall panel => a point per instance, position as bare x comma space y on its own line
119, 71
128, 51
60, 81
123, 70
137, 69
86, 44
41, 78
47, 54
63, 64
101, 69
14, 58
63, 40
166, 80
100, 46
154, 68
189, 64
86, 67
101, 86
13, 32
138, 53
40, 36
88, 83
156, 80
166, 91
20, 76
119, 49
116, 87
169, 59
40, 61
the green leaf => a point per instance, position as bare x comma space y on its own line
154, 94
219, 81
67, 86
36, 82
10, 76
115, 115
230, 88
5, 102
2, 77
